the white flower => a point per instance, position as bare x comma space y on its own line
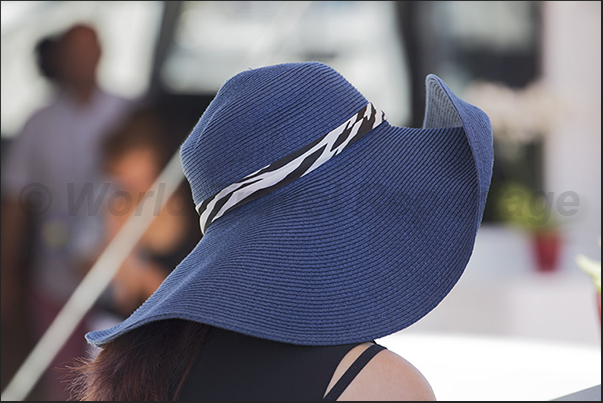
517, 116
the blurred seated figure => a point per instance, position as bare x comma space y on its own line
133, 158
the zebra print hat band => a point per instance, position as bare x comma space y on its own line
290, 167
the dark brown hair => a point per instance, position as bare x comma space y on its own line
147, 363
46, 57
142, 128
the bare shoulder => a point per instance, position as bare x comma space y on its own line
388, 376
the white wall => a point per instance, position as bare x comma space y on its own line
571, 64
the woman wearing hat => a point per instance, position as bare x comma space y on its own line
325, 228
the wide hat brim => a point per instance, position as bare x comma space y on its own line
360, 248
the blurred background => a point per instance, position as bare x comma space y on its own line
109, 101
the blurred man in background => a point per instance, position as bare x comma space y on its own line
50, 183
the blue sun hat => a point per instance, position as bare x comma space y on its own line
322, 223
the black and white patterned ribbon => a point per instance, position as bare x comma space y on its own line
290, 167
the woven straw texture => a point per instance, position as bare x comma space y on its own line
362, 247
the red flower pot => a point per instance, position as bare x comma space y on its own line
547, 247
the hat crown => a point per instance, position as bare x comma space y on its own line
261, 115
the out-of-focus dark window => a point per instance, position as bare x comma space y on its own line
466, 42
214, 40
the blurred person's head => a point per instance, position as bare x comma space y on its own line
79, 53
135, 153
46, 58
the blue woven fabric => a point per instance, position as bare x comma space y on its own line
362, 247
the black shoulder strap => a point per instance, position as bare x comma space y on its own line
352, 371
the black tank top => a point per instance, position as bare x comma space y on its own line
231, 366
